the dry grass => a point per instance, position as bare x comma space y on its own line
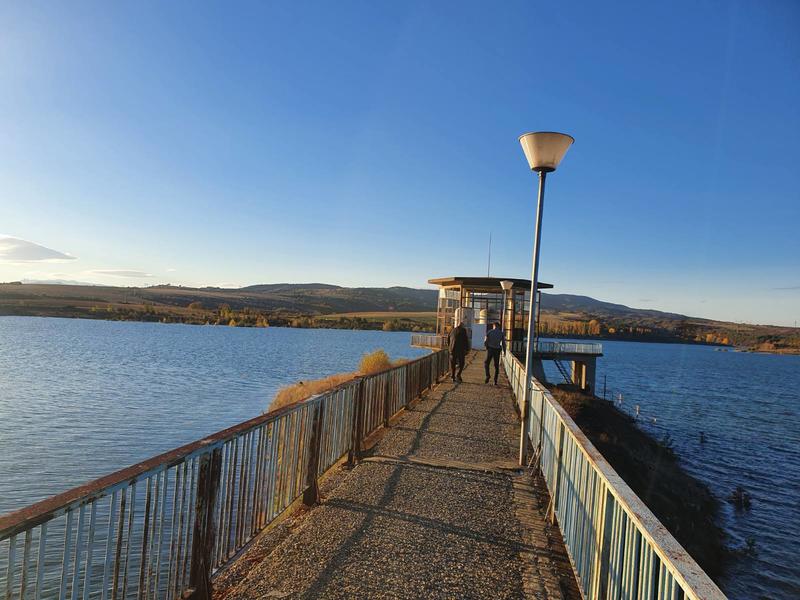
302, 390
373, 362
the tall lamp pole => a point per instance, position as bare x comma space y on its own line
544, 151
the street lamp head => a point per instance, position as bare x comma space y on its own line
545, 149
506, 284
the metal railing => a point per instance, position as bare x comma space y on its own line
617, 547
428, 340
549, 347
519, 346
161, 528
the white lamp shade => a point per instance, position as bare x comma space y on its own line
506, 284
545, 149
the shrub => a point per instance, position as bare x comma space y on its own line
374, 362
392, 325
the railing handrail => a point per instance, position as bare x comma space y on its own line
555, 347
31, 515
239, 479
695, 582
425, 339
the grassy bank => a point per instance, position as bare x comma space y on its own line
685, 506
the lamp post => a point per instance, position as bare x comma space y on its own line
544, 151
506, 285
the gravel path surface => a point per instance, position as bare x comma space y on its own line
408, 524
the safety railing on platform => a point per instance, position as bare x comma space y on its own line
550, 347
159, 529
428, 340
617, 547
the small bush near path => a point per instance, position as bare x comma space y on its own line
372, 362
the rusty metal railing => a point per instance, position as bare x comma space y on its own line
428, 340
617, 547
161, 528
551, 347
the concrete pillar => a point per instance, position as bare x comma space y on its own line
578, 374
508, 317
584, 373
590, 374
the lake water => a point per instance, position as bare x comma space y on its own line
748, 406
80, 399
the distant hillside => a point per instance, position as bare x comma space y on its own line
298, 299
307, 304
567, 303
581, 316
302, 298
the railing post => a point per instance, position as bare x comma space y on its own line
603, 546
541, 426
557, 478
386, 405
409, 394
204, 527
358, 425
311, 493
429, 373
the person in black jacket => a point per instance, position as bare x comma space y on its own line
459, 346
495, 343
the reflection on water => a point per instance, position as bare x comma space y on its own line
748, 408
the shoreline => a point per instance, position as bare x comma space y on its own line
403, 323
636, 339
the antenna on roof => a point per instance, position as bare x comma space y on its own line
489, 264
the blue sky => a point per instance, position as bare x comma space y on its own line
375, 143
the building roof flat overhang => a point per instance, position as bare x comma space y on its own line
489, 283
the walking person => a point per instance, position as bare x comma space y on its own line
459, 346
495, 343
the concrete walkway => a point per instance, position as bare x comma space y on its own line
439, 510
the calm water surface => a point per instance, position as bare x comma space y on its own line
79, 399
748, 406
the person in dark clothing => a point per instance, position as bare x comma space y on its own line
459, 346
495, 344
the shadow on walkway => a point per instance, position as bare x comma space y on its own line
440, 512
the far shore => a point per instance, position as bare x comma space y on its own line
375, 322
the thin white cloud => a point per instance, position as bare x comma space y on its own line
171, 270
120, 273
16, 250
